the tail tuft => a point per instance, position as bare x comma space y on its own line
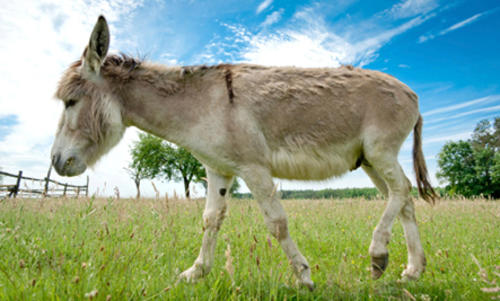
425, 189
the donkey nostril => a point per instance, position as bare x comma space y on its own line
69, 162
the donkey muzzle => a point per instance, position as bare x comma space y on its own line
68, 165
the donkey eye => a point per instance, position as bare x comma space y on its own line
69, 103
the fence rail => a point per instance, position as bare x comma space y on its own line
14, 189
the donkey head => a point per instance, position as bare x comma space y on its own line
91, 123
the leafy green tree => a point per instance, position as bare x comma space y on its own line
154, 157
486, 143
180, 165
136, 175
456, 163
146, 159
495, 170
472, 167
486, 135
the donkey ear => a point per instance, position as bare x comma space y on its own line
98, 46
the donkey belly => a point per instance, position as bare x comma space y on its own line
311, 163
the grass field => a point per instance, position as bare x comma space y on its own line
63, 249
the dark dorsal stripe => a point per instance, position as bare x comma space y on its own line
229, 83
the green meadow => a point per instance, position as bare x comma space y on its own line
125, 249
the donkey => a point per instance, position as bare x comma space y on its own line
256, 123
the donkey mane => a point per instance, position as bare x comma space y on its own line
115, 60
122, 60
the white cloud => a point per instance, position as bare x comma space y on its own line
170, 59
272, 18
462, 23
309, 42
403, 66
425, 38
471, 112
468, 21
296, 48
448, 137
410, 8
462, 105
263, 5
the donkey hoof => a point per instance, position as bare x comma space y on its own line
379, 264
304, 276
411, 273
192, 274
308, 283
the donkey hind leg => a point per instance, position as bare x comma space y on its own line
416, 256
260, 183
215, 210
398, 187
376, 179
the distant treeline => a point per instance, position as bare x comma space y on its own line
342, 193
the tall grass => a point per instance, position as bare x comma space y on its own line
62, 249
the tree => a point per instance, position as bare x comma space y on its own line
486, 135
179, 164
495, 171
472, 167
146, 159
155, 157
456, 164
136, 176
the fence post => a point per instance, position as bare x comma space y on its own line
87, 187
65, 188
46, 188
77, 191
18, 183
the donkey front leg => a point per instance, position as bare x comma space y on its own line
215, 210
260, 183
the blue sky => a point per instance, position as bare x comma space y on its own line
446, 51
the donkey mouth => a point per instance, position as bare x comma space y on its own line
69, 167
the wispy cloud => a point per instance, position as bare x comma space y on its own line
263, 5
462, 24
308, 41
468, 21
462, 105
448, 137
410, 8
442, 137
463, 114
273, 18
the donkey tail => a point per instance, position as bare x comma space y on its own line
423, 184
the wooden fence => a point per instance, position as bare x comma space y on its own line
58, 189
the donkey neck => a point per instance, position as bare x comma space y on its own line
167, 101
